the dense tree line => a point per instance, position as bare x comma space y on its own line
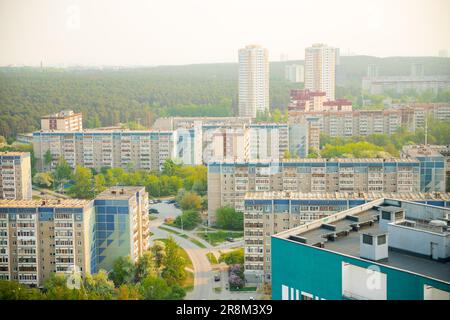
109, 97
158, 274
372, 145
87, 183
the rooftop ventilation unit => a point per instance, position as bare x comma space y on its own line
374, 246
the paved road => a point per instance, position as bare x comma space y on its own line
203, 274
202, 268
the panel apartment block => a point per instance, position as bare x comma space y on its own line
229, 181
15, 175
146, 150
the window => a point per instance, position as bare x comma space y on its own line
385, 215
382, 239
367, 239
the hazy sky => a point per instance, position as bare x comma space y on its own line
151, 32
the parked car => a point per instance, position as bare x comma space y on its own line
217, 277
153, 210
229, 239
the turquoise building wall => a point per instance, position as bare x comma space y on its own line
319, 272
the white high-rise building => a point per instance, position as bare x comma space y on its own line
320, 69
253, 81
294, 73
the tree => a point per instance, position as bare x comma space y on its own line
228, 218
13, 290
191, 201
99, 183
99, 287
128, 292
313, 153
43, 179
170, 168
123, 271
174, 264
188, 220
233, 257
48, 158
155, 288
177, 293
63, 172
145, 266
159, 254
287, 154
82, 187
56, 288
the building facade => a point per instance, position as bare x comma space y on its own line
314, 101
387, 249
434, 165
65, 120
404, 84
121, 226
320, 69
41, 237
269, 213
146, 150
15, 175
253, 81
366, 122
295, 73
228, 182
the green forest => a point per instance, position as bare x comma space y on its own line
139, 95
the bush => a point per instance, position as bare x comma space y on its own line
233, 257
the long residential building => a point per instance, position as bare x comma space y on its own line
41, 237
145, 150
386, 249
201, 140
65, 120
15, 175
366, 122
403, 84
228, 182
269, 213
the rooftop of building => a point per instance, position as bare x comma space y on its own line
286, 195
102, 131
323, 160
340, 233
119, 193
62, 114
14, 153
47, 203
425, 150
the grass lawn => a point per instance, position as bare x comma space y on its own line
188, 283
169, 230
183, 253
211, 257
217, 237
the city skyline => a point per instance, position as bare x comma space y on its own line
73, 32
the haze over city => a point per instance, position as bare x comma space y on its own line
149, 32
